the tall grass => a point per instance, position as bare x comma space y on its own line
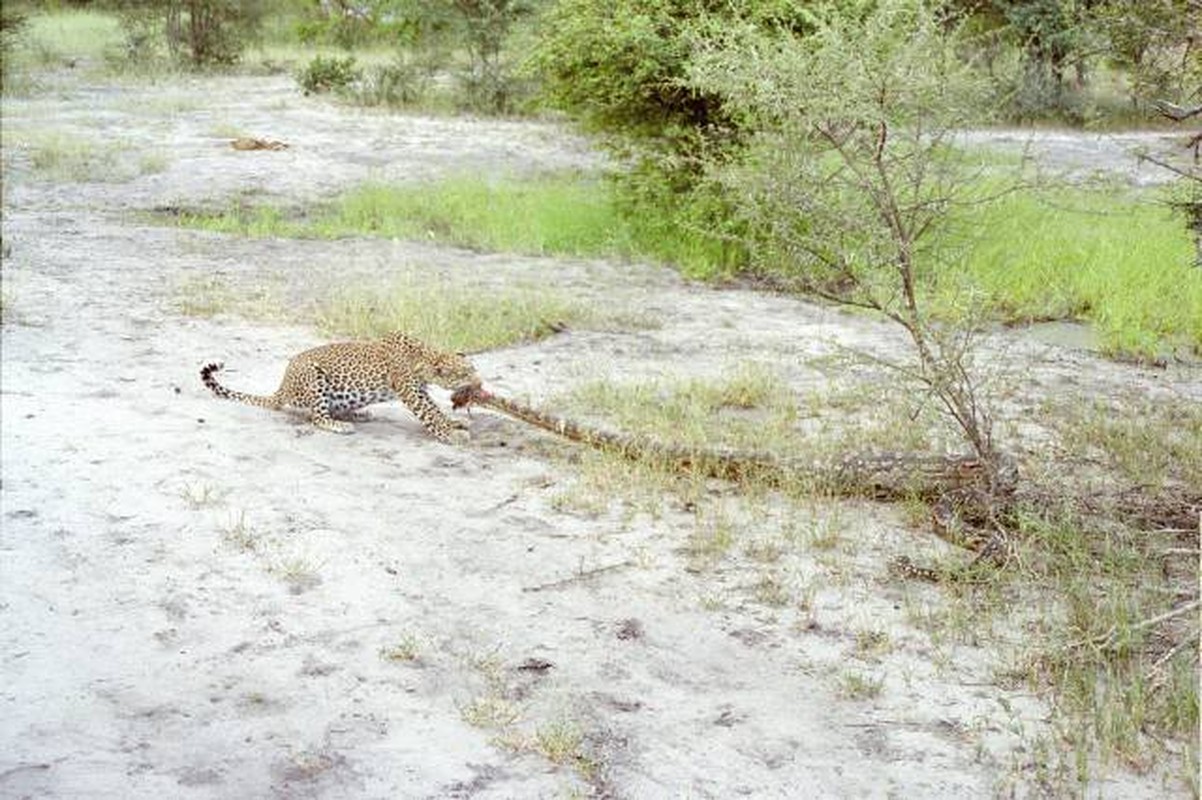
1119, 261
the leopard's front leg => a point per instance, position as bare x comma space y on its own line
438, 424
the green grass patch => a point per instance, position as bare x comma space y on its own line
1117, 644
1119, 261
561, 215
457, 317
1147, 444
58, 37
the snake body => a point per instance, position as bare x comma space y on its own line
879, 475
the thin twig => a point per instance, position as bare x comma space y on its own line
1106, 639
583, 575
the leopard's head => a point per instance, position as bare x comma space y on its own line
452, 371
446, 369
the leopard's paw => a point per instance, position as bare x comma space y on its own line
334, 426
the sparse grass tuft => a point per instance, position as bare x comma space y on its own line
300, 574
198, 496
63, 157
871, 644
711, 539
490, 710
859, 686
406, 650
562, 742
770, 590
239, 535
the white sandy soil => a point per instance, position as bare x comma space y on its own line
200, 599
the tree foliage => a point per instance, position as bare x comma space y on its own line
427, 36
619, 68
12, 24
201, 33
1158, 42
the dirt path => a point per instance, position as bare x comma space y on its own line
206, 600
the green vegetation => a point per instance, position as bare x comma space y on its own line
860, 686
1107, 603
552, 215
454, 316
328, 74
1120, 262
1115, 641
65, 157
71, 34
748, 407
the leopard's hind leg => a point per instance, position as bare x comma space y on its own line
314, 397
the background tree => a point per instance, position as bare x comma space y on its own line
1158, 43
201, 33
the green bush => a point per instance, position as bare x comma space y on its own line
328, 74
617, 67
620, 69
400, 83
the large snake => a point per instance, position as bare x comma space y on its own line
880, 475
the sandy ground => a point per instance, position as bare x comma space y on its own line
200, 599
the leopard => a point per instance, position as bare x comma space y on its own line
334, 382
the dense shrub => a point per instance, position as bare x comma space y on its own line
330, 74
620, 69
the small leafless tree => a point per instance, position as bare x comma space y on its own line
851, 170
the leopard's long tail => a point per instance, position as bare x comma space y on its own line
261, 400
